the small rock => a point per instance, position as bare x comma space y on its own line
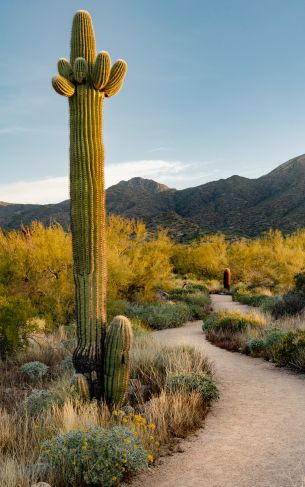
41, 484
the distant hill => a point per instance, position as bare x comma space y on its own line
235, 206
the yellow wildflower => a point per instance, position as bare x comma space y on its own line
150, 458
152, 426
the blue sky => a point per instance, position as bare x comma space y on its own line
214, 88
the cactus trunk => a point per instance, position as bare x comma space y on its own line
88, 227
86, 81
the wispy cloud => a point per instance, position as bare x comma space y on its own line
14, 130
161, 149
54, 189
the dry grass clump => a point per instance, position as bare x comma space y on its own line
152, 362
232, 329
13, 473
175, 415
156, 416
48, 349
292, 323
76, 414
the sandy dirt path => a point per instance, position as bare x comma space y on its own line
253, 437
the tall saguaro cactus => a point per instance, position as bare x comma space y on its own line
86, 80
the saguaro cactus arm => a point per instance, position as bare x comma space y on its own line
101, 70
63, 86
116, 79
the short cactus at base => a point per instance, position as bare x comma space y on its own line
116, 365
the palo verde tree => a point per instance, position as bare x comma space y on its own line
87, 80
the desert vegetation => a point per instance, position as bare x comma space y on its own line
50, 431
280, 341
88, 396
95, 401
275, 330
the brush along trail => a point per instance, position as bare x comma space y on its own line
253, 437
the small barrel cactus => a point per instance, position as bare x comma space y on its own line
227, 279
116, 366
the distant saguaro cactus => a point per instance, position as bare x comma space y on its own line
86, 80
227, 279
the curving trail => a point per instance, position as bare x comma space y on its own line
253, 437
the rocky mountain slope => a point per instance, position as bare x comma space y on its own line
235, 206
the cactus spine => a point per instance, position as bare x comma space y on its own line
227, 279
86, 80
116, 366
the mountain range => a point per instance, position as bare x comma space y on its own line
236, 205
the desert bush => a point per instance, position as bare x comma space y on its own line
34, 370
269, 261
233, 330
268, 304
235, 342
273, 336
36, 271
39, 401
205, 259
209, 323
160, 315
66, 365
138, 264
234, 321
116, 307
289, 350
256, 345
94, 456
152, 362
299, 282
196, 296
264, 344
201, 383
189, 289
15, 324
258, 297
59, 410
289, 304
39, 265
